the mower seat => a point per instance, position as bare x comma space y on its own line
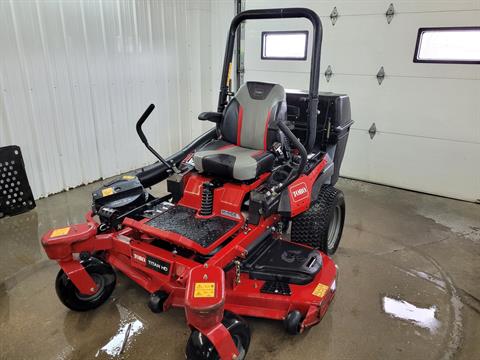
243, 152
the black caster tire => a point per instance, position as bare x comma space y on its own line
321, 226
200, 348
103, 275
157, 300
293, 322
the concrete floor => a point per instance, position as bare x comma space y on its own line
409, 288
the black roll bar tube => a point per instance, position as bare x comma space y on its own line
286, 13
295, 173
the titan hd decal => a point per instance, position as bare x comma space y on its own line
150, 262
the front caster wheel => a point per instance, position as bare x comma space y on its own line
293, 322
101, 273
200, 348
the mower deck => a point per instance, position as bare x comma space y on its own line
156, 269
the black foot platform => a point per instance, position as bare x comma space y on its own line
280, 261
181, 220
276, 288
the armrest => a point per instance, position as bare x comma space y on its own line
215, 117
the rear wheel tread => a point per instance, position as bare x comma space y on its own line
311, 227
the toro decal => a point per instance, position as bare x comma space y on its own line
139, 257
299, 192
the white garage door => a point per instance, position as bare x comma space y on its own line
427, 116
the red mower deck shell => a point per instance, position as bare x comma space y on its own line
129, 250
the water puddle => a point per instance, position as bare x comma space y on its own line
439, 283
401, 309
461, 224
127, 330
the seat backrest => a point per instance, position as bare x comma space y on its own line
250, 113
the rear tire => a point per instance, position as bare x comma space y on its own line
103, 275
321, 226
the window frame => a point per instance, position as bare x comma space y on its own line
285, 32
431, 61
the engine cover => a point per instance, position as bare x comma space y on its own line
121, 194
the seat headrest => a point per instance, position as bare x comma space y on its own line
260, 90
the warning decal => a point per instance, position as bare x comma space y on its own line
60, 232
107, 191
320, 290
204, 290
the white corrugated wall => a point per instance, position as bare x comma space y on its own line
76, 75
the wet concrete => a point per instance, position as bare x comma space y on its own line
409, 288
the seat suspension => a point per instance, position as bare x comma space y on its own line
207, 199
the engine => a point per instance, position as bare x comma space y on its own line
118, 197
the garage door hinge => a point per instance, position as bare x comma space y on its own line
372, 131
334, 15
390, 13
380, 75
328, 73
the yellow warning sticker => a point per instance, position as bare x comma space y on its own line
204, 290
320, 290
60, 232
107, 191
128, 177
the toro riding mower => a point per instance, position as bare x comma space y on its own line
248, 224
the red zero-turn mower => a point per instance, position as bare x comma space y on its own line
216, 244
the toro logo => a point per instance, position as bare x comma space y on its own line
139, 257
299, 192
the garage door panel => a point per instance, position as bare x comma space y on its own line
435, 6
437, 108
409, 106
349, 7
434, 166
322, 8
427, 115
361, 44
288, 80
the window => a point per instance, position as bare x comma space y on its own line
284, 45
449, 45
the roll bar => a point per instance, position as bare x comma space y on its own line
285, 13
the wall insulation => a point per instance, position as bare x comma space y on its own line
76, 75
